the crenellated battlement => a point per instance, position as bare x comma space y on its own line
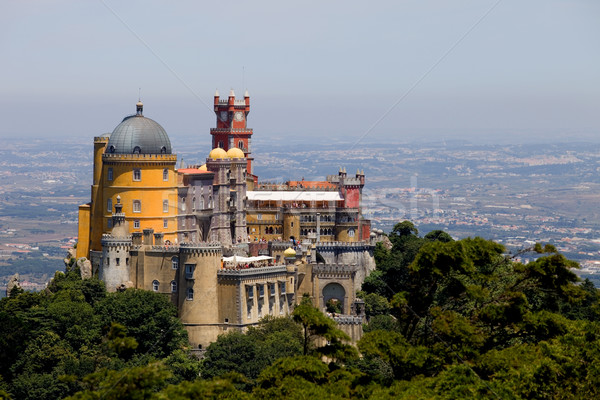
116, 157
344, 245
252, 272
349, 319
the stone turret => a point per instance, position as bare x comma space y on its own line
115, 265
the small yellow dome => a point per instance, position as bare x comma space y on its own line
234, 152
203, 167
217, 153
289, 252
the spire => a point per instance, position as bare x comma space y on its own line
246, 94
216, 92
231, 93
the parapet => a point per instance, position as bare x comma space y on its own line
334, 270
344, 245
117, 157
349, 320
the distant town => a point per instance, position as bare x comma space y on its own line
514, 194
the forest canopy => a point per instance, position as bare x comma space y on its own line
444, 319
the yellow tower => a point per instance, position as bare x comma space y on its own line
136, 163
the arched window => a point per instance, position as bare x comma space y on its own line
173, 286
210, 202
190, 294
155, 285
240, 144
137, 150
351, 232
111, 149
221, 144
202, 202
165, 174
183, 207
163, 150
175, 262
137, 174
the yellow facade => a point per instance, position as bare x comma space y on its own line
147, 187
83, 245
261, 224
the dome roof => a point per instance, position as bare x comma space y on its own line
234, 152
217, 153
137, 134
203, 167
289, 252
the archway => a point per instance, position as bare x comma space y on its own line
333, 297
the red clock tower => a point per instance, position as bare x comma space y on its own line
231, 130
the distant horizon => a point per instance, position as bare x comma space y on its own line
486, 71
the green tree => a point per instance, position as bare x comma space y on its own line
150, 318
315, 324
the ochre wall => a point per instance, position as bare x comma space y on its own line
150, 190
83, 234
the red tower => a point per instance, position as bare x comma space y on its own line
231, 128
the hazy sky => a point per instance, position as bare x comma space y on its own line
484, 70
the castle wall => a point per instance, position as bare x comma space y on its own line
83, 231
115, 268
200, 313
358, 254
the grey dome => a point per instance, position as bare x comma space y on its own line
137, 134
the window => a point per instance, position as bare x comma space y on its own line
261, 290
165, 174
110, 174
241, 144
190, 294
165, 206
109, 205
137, 150
351, 232
259, 216
109, 223
136, 224
250, 292
202, 203
175, 262
165, 223
137, 174
282, 287
194, 204
173, 287
183, 204
155, 285
117, 261
137, 206
221, 144
210, 202
272, 287
189, 271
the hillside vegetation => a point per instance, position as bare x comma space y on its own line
446, 320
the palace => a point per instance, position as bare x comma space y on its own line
225, 248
